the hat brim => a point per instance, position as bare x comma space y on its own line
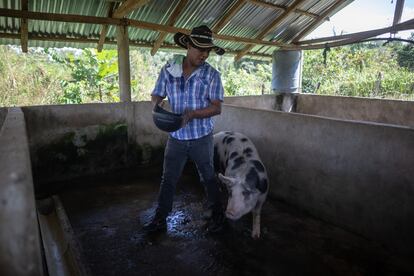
182, 39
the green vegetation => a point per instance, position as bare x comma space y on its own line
93, 76
66, 76
361, 70
28, 79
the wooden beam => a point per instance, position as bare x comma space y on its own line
356, 37
173, 17
130, 22
403, 26
128, 6
230, 13
62, 38
24, 27
317, 22
398, 12
281, 7
270, 27
74, 18
124, 68
102, 37
105, 28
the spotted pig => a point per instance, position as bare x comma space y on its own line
244, 175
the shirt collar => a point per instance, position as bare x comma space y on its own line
175, 67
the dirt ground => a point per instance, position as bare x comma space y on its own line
107, 216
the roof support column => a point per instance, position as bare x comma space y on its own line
123, 64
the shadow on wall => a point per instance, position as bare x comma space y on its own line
286, 102
3, 114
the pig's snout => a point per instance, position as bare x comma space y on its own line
231, 214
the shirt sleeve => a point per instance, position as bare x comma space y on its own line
160, 85
216, 90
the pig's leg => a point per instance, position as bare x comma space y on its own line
256, 221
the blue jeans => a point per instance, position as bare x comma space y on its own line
176, 154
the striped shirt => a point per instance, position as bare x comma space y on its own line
196, 92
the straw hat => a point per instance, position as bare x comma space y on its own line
201, 38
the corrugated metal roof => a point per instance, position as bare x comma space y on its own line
248, 22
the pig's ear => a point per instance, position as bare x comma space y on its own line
226, 180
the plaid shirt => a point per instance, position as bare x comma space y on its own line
196, 92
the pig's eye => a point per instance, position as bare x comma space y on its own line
246, 194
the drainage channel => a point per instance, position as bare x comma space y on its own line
62, 250
96, 229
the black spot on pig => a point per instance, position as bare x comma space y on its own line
262, 185
248, 152
246, 193
233, 154
258, 165
238, 162
252, 178
229, 140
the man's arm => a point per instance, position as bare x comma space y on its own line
213, 109
155, 99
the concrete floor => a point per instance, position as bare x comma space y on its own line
107, 216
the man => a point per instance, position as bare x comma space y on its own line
193, 88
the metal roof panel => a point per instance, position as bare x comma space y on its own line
248, 22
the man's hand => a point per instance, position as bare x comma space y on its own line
161, 104
187, 116
157, 100
213, 109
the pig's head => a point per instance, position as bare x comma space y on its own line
243, 195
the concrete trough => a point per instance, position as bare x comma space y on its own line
340, 186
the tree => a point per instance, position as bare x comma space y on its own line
94, 76
406, 55
362, 70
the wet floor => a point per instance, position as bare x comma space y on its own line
107, 216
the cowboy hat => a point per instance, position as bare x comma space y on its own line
201, 38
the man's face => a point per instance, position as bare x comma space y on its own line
195, 56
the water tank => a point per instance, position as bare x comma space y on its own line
286, 71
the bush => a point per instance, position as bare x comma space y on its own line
363, 70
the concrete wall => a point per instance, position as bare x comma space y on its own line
73, 140
261, 101
68, 141
141, 126
359, 109
355, 175
347, 108
45, 123
19, 236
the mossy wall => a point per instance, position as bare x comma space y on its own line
68, 142
91, 151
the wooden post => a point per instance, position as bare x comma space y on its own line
123, 64
24, 29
